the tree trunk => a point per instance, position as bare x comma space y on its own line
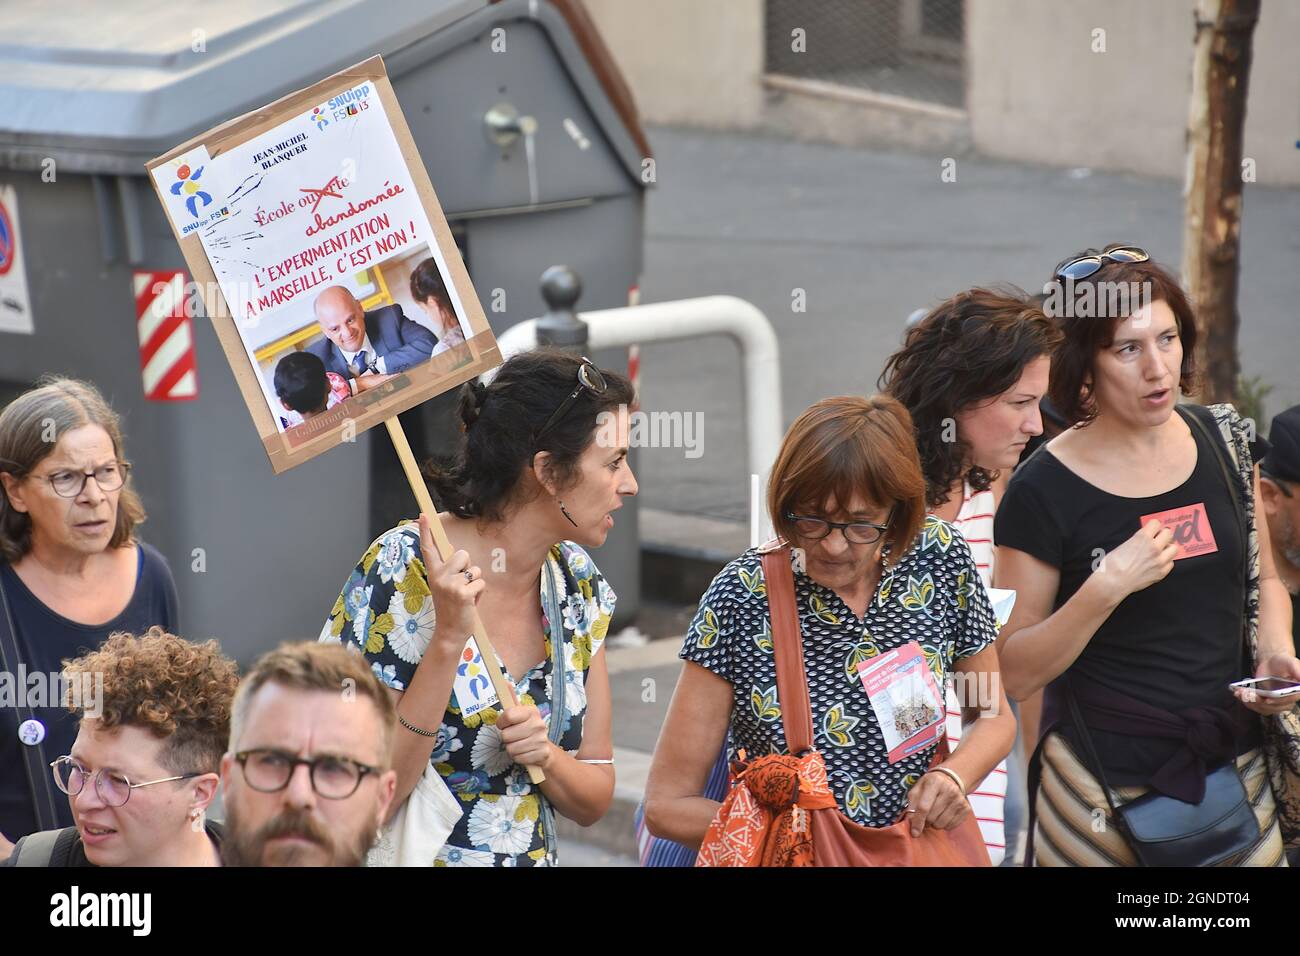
1212, 191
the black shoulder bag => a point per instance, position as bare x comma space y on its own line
1163, 830
37, 767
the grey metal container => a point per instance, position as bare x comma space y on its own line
93, 105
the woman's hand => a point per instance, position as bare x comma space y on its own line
455, 595
1279, 665
936, 801
524, 733
1139, 562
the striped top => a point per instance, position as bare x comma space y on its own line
975, 522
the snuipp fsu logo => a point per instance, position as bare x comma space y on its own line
351, 102
319, 119
187, 185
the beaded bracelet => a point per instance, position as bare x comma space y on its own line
414, 729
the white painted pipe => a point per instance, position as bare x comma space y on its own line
692, 319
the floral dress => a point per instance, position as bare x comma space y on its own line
932, 595
386, 613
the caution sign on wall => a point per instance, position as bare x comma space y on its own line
15, 305
167, 362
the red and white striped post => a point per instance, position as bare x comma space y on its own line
167, 363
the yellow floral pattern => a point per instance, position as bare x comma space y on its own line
385, 612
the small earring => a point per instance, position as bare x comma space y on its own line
565, 512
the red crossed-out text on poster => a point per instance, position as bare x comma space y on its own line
167, 363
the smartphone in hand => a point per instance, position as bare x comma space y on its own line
1269, 686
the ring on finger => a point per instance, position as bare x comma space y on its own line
469, 575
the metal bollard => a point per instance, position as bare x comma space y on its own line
619, 558
560, 327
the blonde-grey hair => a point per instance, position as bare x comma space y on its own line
30, 426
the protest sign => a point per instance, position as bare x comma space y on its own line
309, 226
302, 224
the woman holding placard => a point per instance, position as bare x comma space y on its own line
541, 469
824, 657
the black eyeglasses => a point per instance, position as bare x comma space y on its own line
334, 778
70, 484
590, 380
1084, 266
855, 532
113, 788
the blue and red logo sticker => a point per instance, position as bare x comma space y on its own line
188, 186
8, 241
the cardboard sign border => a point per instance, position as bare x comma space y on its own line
425, 380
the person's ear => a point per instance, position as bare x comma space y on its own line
1270, 495
14, 492
387, 790
227, 764
205, 790
542, 472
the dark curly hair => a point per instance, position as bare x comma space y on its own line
1087, 332
178, 691
501, 423
966, 351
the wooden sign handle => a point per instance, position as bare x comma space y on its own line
416, 481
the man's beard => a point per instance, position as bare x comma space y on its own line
1288, 541
251, 849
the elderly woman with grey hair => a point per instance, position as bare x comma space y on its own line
71, 573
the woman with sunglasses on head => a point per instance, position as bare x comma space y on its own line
873, 574
972, 374
1145, 588
72, 571
154, 718
541, 470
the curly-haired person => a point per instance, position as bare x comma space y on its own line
155, 717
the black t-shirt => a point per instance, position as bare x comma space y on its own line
45, 639
1173, 645
1295, 618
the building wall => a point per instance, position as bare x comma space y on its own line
688, 62
1037, 92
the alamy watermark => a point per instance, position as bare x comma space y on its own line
1098, 300
660, 429
38, 689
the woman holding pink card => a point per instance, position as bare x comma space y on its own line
885, 605
1145, 589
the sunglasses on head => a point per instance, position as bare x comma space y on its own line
589, 380
1084, 266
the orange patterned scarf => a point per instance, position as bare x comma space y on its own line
764, 820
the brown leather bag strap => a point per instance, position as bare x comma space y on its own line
791, 682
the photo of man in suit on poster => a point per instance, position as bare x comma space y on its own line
367, 347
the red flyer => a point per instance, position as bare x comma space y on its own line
1191, 527
905, 698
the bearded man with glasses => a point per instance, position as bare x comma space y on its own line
307, 779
